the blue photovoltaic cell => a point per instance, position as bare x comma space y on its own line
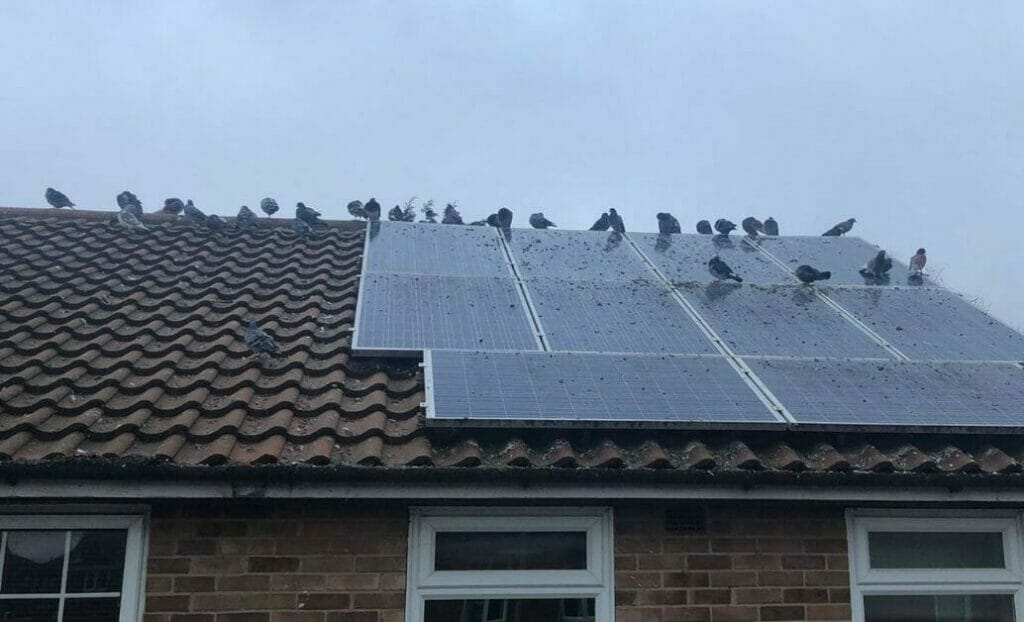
931, 324
440, 250
577, 255
590, 387
894, 392
614, 316
781, 320
683, 258
398, 312
843, 256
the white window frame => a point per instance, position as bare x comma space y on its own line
596, 581
134, 555
865, 581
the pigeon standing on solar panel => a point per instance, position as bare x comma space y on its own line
193, 214
752, 226
173, 206
372, 209
771, 227
721, 270
704, 227
395, 214
724, 226
492, 220
615, 221
356, 209
807, 274
840, 228
58, 199
246, 218
667, 223
877, 268
128, 220
917, 262
259, 341
505, 218
307, 215
602, 223
538, 221
451, 215
269, 206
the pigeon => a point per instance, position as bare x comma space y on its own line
721, 270
602, 223
173, 206
451, 215
492, 220
538, 221
771, 227
918, 261
58, 199
841, 228
356, 209
259, 341
615, 221
215, 222
127, 219
301, 227
505, 218
667, 223
269, 206
128, 200
877, 267
395, 214
246, 218
807, 274
704, 227
724, 226
752, 226
372, 209
193, 214
307, 215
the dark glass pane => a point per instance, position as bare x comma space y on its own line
33, 562
97, 561
35, 610
498, 550
945, 608
92, 609
900, 549
511, 610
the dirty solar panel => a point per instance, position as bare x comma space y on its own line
590, 387
895, 392
577, 255
931, 324
683, 258
614, 316
843, 256
784, 320
399, 312
448, 250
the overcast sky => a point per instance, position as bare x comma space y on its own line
907, 115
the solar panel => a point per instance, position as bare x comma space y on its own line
413, 312
563, 386
614, 316
843, 256
930, 323
684, 258
441, 250
577, 255
846, 392
781, 320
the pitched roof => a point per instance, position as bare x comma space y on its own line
118, 347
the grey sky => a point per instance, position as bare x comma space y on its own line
906, 115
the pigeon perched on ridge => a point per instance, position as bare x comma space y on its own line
58, 199
602, 223
724, 226
667, 223
752, 226
878, 267
840, 228
451, 215
807, 274
395, 214
215, 222
918, 261
130, 221
721, 270
504, 218
356, 209
269, 206
307, 215
372, 209
704, 227
538, 221
771, 227
492, 220
302, 228
246, 218
127, 200
259, 341
615, 221
193, 214
173, 206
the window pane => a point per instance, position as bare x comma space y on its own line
97, 561
35, 610
945, 608
33, 562
92, 609
494, 550
901, 549
511, 610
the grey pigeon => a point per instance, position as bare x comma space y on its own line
918, 261
771, 227
841, 228
372, 209
173, 206
492, 220
721, 270
752, 226
724, 226
128, 200
130, 221
193, 214
505, 218
538, 221
307, 215
58, 199
602, 223
451, 215
302, 228
615, 221
667, 223
259, 341
878, 267
807, 274
704, 227
356, 209
246, 218
395, 214
269, 206
215, 222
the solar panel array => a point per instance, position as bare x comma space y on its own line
590, 326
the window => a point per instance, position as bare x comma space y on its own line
70, 568
915, 567
510, 565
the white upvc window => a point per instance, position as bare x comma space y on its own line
918, 566
510, 565
64, 568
